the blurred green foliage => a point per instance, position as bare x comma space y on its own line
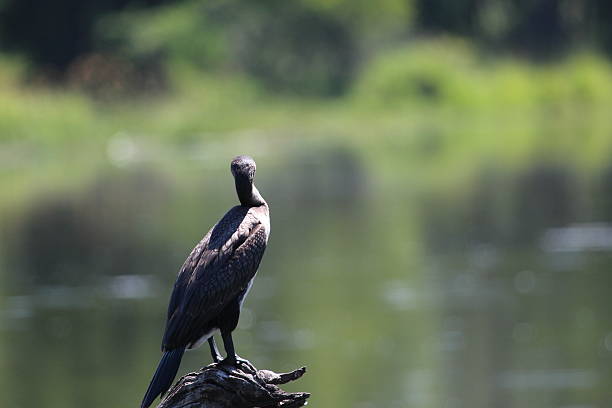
307, 47
284, 46
434, 107
176, 76
183, 33
450, 72
412, 126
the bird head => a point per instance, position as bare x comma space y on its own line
243, 168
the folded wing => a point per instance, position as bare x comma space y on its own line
210, 278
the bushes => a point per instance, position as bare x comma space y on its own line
302, 52
430, 72
449, 73
287, 48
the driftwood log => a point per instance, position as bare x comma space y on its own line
224, 386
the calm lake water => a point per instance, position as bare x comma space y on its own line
392, 295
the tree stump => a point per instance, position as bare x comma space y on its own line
243, 386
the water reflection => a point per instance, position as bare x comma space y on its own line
578, 238
488, 298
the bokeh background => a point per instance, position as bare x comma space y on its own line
439, 174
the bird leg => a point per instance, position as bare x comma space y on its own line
232, 358
213, 349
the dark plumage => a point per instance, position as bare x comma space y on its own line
214, 280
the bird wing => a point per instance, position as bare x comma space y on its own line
210, 279
185, 273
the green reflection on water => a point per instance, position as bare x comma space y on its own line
391, 296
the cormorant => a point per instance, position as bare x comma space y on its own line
214, 280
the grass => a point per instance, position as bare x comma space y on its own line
433, 109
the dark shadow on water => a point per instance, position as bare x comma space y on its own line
108, 229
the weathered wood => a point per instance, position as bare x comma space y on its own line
225, 386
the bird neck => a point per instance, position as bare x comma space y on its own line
248, 194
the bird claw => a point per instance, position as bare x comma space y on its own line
237, 362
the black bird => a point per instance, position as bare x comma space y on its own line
214, 280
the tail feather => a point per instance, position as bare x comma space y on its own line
164, 375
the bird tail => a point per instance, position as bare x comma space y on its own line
164, 375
